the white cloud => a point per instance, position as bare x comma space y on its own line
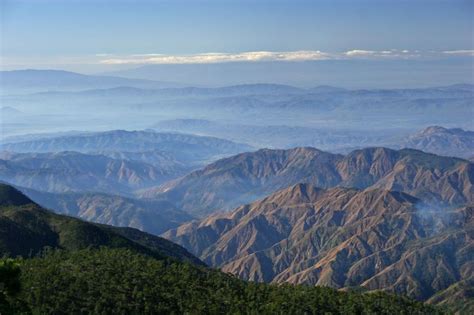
393, 53
302, 55
462, 52
359, 52
256, 56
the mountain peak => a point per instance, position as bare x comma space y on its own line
432, 130
443, 141
299, 193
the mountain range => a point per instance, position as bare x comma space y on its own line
73, 171
182, 147
343, 238
34, 80
246, 177
151, 216
308, 73
276, 136
367, 113
433, 139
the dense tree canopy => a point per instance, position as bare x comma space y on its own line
121, 281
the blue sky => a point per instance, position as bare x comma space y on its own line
104, 33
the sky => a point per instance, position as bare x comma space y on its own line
102, 35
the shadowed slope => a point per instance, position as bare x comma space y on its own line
26, 229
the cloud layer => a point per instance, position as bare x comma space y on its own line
252, 56
255, 56
462, 52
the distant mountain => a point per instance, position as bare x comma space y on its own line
326, 118
346, 73
144, 94
327, 89
249, 176
35, 136
153, 157
131, 88
26, 229
186, 148
339, 237
37, 80
274, 136
153, 217
73, 171
239, 90
443, 141
8, 111
157, 158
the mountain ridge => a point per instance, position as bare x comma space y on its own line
249, 176
183, 145
338, 237
33, 78
153, 217
74, 171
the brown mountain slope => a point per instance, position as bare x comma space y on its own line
245, 177
249, 176
339, 237
427, 176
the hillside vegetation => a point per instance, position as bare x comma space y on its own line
121, 281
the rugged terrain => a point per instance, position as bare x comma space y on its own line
152, 216
339, 237
249, 176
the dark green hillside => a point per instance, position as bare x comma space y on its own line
26, 228
121, 281
9, 196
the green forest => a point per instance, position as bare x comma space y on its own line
122, 281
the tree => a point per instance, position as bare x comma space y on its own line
9, 285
